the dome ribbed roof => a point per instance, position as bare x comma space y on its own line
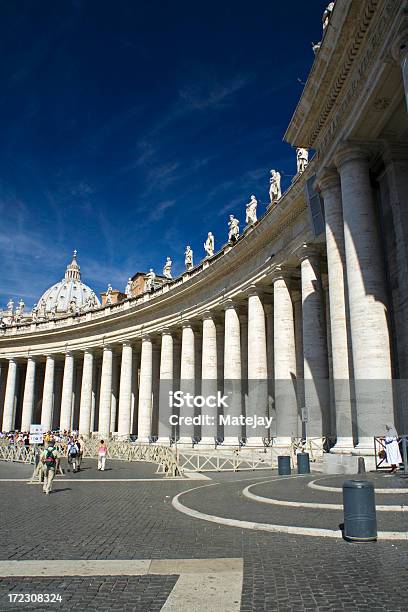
70, 289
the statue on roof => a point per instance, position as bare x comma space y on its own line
188, 257
233, 233
150, 278
10, 306
109, 294
251, 207
275, 186
128, 288
327, 15
209, 244
167, 268
302, 159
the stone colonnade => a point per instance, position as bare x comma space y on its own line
268, 349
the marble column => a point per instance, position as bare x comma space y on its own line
114, 394
166, 386
329, 183
106, 392
48, 393
232, 374
268, 307
28, 399
300, 383
187, 381
209, 375
284, 361
66, 396
367, 299
145, 391
257, 367
125, 392
9, 411
85, 408
315, 361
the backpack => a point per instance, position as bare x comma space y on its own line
73, 451
50, 459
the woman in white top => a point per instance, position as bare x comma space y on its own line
102, 450
392, 449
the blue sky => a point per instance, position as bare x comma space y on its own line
131, 128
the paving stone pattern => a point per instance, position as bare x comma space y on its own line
137, 521
136, 593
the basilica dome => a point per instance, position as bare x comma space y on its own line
70, 294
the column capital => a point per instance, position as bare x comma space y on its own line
208, 314
107, 347
146, 338
166, 331
253, 290
89, 351
308, 251
351, 151
283, 273
328, 178
126, 343
230, 304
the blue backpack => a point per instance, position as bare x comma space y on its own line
73, 451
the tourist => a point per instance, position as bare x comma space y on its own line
50, 460
102, 450
392, 449
73, 454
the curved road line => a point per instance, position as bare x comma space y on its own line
296, 504
312, 484
307, 531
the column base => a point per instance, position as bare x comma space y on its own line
185, 441
254, 442
343, 446
207, 442
231, 441
164, 441
143, 441
365, 446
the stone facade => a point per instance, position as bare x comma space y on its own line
319, 323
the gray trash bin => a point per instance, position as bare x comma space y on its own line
360, 522
303, 463
284, 465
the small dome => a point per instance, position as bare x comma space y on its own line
69, 292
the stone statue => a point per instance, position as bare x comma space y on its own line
251, 211
316, 47
302, 159
233, 233
42, 308
209, 245
20, 310
188, 259
53, 312
109, 294
150, 278
34, 313
10, 306
167, 268
128, 288
327, 14
72, 306
275, 186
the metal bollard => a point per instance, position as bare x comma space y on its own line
284, 465
303, 463
360, 522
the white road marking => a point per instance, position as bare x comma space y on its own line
204, 585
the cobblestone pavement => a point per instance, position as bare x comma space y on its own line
135, 520
138, 593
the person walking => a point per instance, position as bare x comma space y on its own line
392, 449
102, 450
73, 455
50, 459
